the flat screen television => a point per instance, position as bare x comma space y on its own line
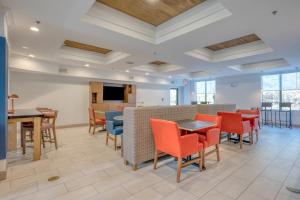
113, 93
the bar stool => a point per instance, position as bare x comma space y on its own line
284, 108
267, 113
47, 126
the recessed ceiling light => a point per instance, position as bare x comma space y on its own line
147, 74
87, 65
127, 71
34, 29
24, 47
152, 1
31, 55
170, 76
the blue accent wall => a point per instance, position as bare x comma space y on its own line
3, 97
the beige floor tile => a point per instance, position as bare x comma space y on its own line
80, 194
232, 186
137, 185
180, 195
265, 188
165, 188
115, 194
275, 173
147, 194
214, 195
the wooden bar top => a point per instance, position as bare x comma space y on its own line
25, 113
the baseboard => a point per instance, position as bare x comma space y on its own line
71, 126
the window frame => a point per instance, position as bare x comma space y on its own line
177, 96
205, 91
281, 90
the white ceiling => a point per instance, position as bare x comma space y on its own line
63, 19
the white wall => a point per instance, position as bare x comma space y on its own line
244, 91
70, 96
148, 95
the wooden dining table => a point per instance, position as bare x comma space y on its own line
30, 115
193, 125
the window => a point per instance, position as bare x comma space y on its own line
206, 91
271, 89
173, 96
282, 88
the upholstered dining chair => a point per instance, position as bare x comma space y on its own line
94, 122
210, 136
232, 123
113, 127
168, 140
254, 122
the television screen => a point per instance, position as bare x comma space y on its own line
113, 93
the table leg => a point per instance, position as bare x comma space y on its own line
37, 138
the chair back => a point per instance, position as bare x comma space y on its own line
166, 136
251, 112
110, 115
50, 116
232, 122
209, 118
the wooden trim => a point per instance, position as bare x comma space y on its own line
3, 175
86, 47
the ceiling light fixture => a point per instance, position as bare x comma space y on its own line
31, 55
24, 47
127, 71
87, 65
147, 74
170, 76
34, 29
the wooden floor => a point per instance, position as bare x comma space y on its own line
90, 170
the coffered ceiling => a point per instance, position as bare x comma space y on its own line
154, 12
194, 38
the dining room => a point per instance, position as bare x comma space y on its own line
150, 99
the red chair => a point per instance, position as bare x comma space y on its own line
210, 136
94, 122
168, 140
254, 122
232, 123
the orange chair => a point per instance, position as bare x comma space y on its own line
232, 123
210, 136
168, 140
255, 122
94, 122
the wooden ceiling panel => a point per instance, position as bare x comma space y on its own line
235, 42
158, 63
86, 47
154, 12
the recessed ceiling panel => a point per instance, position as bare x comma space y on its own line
233, 43
154, 12
158, 63
86, 47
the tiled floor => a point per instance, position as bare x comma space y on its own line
90, 170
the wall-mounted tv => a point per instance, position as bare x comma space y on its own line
113, 93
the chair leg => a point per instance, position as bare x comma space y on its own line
115, 142
241, 141
256, 132
179, 166
23, 144
218, 152
94, 129
134, 167
200, 160
251, 137
43, 139
106, 142
54, 137
126, 162
90, 128
155, 158
203, 160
